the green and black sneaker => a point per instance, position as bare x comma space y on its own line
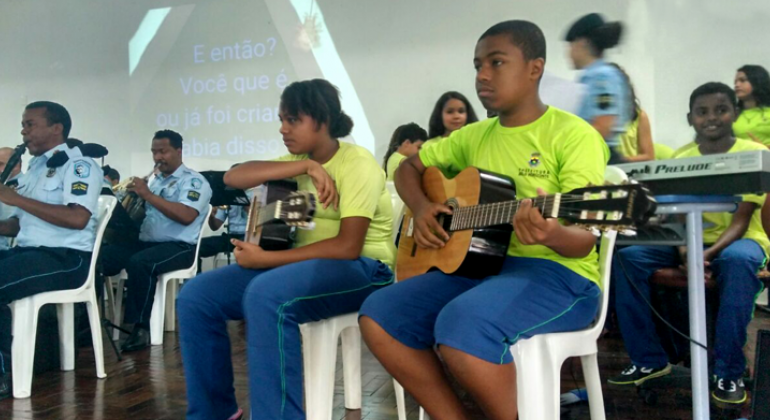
729, 393
636, 375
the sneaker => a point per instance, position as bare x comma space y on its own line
238, 415
729, 392
636, 375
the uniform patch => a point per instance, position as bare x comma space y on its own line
51, 172
193, 195
79, 188
534, 160
196, 183
82, 169
605, 100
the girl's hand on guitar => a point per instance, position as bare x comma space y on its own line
248, 255
428, 233
532, 228
324, 185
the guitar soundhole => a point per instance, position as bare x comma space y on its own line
446, 219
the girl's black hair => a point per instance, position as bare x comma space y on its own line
760, 85
634, 104
320, 100
436, 123
601, 35
411, 131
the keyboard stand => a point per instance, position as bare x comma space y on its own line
693, 207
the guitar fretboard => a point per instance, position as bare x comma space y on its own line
493, 214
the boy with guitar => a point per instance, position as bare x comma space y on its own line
549, 280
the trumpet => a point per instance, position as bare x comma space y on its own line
131, 201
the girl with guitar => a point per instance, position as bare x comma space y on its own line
329, 272
548, 281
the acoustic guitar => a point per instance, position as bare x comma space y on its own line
483, 205
276, 210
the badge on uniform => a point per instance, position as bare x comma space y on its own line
82, 169
51, 172
196, 183
79, 188
193, 195
605, 100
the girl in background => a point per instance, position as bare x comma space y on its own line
451, 112
605, 104
406, 141
636, 143
752, 87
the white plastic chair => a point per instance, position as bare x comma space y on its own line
164, 305
164, 301
25, 312
539, 358
319, 353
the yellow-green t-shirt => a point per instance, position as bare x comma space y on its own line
629, 141
754, 121
721, 221
558, 152
393, 161
360, 183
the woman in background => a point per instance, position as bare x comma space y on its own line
406, 141
451, 112
636, 143
604, 105
752, 87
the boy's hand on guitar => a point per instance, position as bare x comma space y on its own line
324, 184
428, 232
248, 255
532, 228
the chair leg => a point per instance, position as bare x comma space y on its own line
593, 386
66, 315
22, 349
538, 380
96, 335
351, 366
158, 314
170, 313
319, 344
400, 400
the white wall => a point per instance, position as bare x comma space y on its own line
399, 56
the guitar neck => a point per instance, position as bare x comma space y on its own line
493, 214
269, 212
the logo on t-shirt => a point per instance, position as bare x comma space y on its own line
534, 160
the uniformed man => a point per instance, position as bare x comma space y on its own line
605, 105
213, 245
12, 181
54, 221
177, 202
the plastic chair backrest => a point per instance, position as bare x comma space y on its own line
614, 175
205, 224
103, 214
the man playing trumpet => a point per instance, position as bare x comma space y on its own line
176, 204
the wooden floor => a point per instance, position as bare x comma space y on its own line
150, 385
